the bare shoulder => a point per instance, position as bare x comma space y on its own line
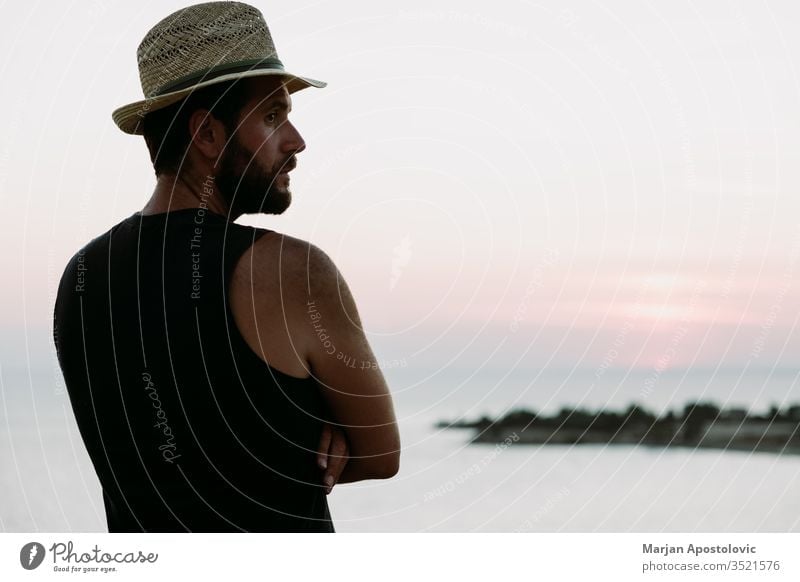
310, 286
294, 263
281, 281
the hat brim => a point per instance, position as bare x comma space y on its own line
129, 117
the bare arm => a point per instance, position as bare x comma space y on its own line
341, 360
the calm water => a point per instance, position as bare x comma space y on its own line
47, 482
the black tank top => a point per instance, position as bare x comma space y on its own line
188, 428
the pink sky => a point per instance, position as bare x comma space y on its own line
594, 183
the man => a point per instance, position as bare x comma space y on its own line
219, 374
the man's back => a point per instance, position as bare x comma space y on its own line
187, 427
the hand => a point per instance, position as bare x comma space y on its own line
332, 454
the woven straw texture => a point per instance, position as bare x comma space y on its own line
195, 47
201, 38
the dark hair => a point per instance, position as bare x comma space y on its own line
166, 131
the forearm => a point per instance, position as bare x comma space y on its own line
360, 470
356, 467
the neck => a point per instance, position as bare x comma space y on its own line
186, 191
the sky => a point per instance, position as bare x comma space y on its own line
516, 184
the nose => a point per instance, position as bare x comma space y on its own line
294, 141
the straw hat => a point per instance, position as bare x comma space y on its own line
199, 46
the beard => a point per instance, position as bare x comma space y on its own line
246, 186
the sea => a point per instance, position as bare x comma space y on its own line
447, 484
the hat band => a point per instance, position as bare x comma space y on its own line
214, 72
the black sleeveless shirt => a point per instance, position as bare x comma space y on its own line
188, 429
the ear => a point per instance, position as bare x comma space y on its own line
208, 134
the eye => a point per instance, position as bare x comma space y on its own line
271, 117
